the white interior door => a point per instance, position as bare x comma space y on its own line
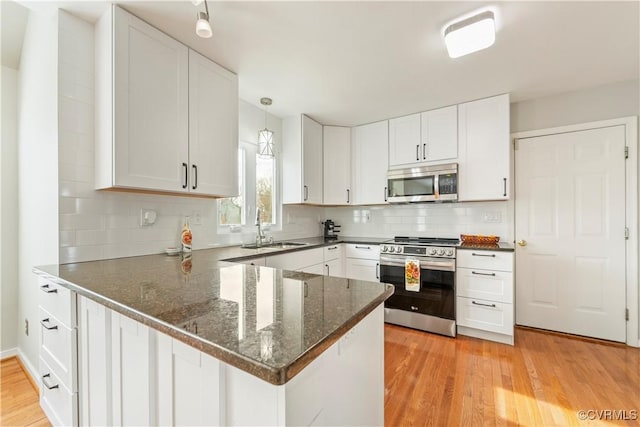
570, 211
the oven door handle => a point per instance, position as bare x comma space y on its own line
444, 264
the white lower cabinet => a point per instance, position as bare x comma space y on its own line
362, 262
484, 287
58, 378
157, 380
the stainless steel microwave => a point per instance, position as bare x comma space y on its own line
423, 184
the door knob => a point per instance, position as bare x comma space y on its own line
522, 242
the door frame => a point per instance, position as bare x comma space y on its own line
631, 207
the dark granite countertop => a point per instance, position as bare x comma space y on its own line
500, 246
268, 322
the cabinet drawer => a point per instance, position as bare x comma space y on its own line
486, 260
485, 284
59, 403
57, 346
485, 315
58, 301
363, 269
333, 252
363, 251
296, 260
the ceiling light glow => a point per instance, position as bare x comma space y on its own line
470, 35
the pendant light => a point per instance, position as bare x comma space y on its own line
265, 136
203, 27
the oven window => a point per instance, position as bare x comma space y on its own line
436, 296
421, 186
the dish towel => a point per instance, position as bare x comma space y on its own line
412, 275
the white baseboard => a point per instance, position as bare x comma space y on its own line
5, 354
32, 371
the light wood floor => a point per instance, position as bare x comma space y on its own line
544, 380
433, 380
20, 405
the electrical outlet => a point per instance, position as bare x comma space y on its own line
196, 218
26, 327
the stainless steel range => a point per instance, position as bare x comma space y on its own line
428, 305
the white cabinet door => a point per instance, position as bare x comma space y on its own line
484, 160
334, 268
94, 363
312, 161
369, 163
132, 361
440, 134
213, 128
301, 160
319, 269
151, 107
337, 165
363, 269
189, 385
404, 140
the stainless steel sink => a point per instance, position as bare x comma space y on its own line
276, 245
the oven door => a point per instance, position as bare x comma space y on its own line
436, 296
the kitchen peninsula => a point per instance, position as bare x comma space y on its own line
198, 340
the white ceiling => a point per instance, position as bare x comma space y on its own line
349, 63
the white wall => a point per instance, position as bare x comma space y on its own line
9, 213
100, 224
588, 105
37, 170
425, 219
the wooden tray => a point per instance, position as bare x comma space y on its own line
479, 239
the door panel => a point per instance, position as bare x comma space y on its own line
570, 209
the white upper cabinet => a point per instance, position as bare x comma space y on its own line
146, 106
439, 134
424, 138
484, 158
301, 161
337, 165
404, 140
369, 163
213, 128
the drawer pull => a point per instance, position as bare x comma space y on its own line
483, 274
44, 381
48, 289
487, 255
44, 322
414, 308
335, 247
484, 305
363, 247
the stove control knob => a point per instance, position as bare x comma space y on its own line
390, 249
383, 248
399, 249
449, 252
432, 251
440, 251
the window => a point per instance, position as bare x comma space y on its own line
257, 188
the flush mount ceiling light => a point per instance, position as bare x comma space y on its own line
203, 28
470, 35
265, 136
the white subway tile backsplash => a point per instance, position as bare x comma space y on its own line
81, 222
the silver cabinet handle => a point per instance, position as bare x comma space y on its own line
186, 174
45, 324
348, 198
306, 193
327, 265
483, 274
195, 178
418, 152
363, 247
485, 255
424, 151
504, 181
48, 289
484, 305
378, 270
44, 381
